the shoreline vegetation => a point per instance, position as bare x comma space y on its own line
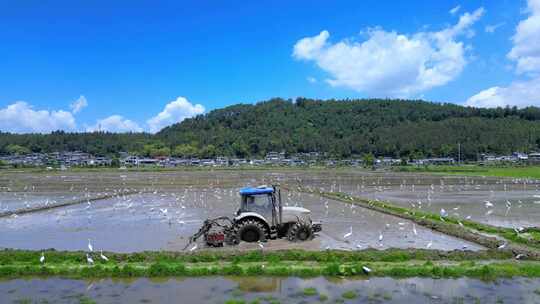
532, 171
508, 171
398, 263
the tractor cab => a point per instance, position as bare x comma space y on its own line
260, 200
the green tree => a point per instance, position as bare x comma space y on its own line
115, 162
17, 150
240, 148
446, 150
185, 150
369, 160
156, 150
208, 151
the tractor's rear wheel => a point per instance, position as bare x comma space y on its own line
300, 231
250, 231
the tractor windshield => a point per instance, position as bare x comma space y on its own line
258, 203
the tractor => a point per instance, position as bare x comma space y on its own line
261, 216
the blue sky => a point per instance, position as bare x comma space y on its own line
140, 65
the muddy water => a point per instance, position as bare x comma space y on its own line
369, 226
165, 220
269, 290
516, 202
168, 207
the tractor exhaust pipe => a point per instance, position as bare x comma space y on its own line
280, 207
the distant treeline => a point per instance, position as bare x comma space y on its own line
397, 128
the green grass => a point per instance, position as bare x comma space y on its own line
160, 259
310, 291
235, 301
349, 295
86, 300
475, 170
389, 263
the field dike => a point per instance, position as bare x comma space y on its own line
399, 263
525, 243
41, 208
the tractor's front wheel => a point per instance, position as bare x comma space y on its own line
300, 231
250, 231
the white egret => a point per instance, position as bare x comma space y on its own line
89, 259
429, 244
502, 246
42, 258
414, 229
380, 237
193, 248
443, 212
348, 234
90, 247
488, 204
520, 256
103, 257
261, 245
366, 269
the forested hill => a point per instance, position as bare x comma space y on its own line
399, 128
344, 127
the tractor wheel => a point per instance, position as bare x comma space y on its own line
300, 231
250, 231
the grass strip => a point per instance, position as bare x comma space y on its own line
31, 257
475, 170
439, 269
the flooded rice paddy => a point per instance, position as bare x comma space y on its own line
269, 290
160, 211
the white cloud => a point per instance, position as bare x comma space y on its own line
175, 111
454, 10
78, 104
311, 79
389, 63
526, 49
518, 93
491, 28
526, 53
115, 123
20, 117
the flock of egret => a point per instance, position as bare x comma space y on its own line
376, 187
